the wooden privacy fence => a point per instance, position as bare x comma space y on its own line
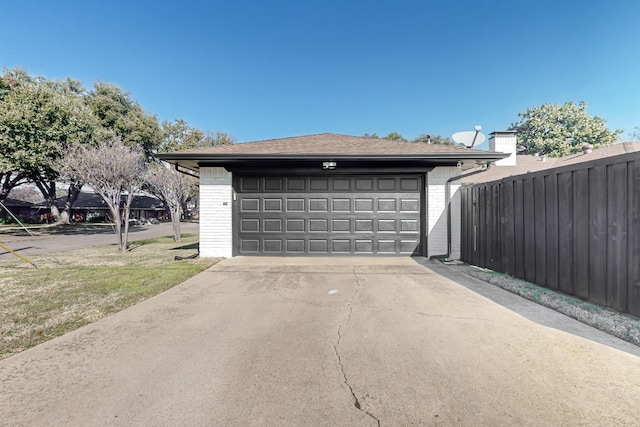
574, 228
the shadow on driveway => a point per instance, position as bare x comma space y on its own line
535, 312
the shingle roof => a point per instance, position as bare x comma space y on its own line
526, 164
326, 143
329, 146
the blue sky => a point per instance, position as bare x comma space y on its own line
277, 68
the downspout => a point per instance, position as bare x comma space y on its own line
447, 195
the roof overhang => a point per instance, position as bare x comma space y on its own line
193, 161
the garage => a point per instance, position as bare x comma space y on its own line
329, 195
324, 215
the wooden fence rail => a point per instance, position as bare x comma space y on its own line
575, 229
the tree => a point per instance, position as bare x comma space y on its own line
39, 120
559, 130
179, 135
115, 171
393, 136
433, 139
635, 136
174, 189
122, 118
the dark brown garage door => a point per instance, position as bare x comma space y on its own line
342, 215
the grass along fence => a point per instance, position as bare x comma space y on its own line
575, 229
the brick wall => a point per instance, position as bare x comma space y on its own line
216, 239
437, 212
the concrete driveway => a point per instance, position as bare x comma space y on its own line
319, 342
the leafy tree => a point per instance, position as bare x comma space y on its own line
394, 136
122, 118
179, 135
433, 139
423, 138
39, 120
174, 189
559, 130
115, 171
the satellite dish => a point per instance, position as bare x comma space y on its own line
469, 138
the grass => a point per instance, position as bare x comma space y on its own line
70, 289
621, 325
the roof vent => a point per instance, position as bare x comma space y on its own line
587, 149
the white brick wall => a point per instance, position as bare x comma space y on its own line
437, 212
216, 238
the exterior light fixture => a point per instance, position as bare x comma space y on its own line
328, 165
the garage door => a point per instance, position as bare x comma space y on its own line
342, 215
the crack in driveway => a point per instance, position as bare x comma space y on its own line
335, 349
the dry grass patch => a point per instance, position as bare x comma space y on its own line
70, 289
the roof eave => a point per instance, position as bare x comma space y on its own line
203, 158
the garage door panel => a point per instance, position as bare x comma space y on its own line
341, 246
387, 205
273, 184
273, 246
363, 205
295, 225
341, 184
296, 246
341, 225
295, 205
319, 246
341, 205
364, 184
363, 225
386, 246
409, 205
318, 225
272, 205
249, 225
250, 205
250, 246
387, 184
363, 246
318, 205
327, 215
409, 225
409, 184
386, 225
272, 225
250, 184
319, 184
296, 184
408, 246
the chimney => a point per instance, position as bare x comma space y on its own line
587, 149
504, 142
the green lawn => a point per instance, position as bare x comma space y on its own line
70, 289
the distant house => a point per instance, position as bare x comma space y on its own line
89, 207
517, 164
19, 208
92, 207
